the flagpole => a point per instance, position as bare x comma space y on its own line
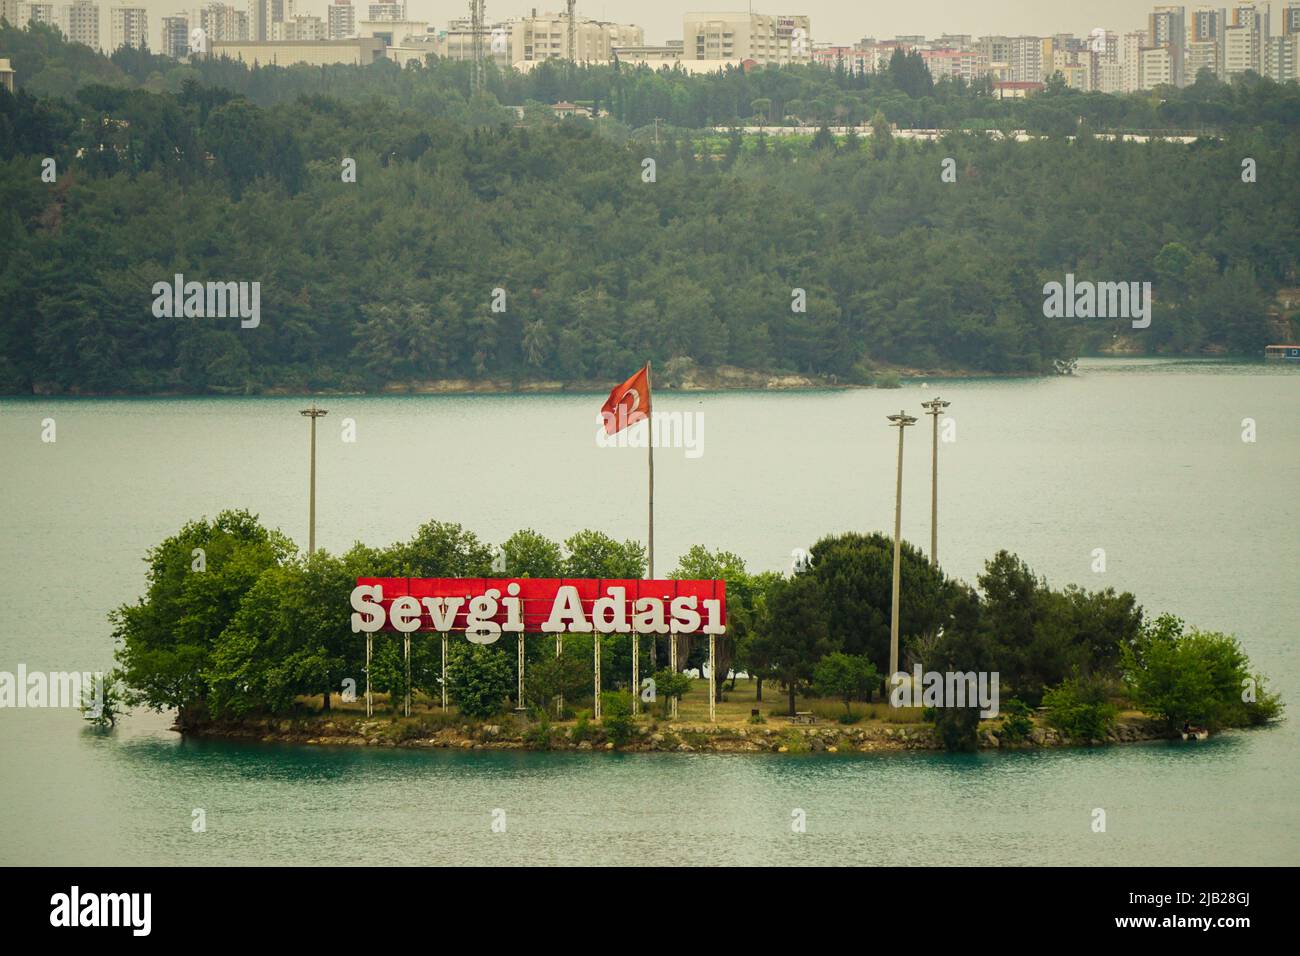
650, 460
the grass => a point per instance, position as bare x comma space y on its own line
427, 716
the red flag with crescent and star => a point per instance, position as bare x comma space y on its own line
628, 403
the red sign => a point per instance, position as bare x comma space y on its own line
487, 607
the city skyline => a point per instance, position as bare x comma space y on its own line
839, 22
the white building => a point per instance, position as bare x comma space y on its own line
1156, 67
222, 22
747, 36
1241, 50
128, 26
300, 27
342, 19
80, 22
1130, 58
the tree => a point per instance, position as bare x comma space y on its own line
288, 638
479, 678
1192, 676
793, 634
882, 137
846, 676
197, 580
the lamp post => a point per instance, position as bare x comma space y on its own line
899, 421
313, 413
934, 407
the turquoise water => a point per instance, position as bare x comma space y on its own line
1141, 458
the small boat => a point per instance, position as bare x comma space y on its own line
1196, 733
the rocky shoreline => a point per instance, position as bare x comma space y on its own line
677, 738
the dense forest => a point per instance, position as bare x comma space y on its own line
475, 246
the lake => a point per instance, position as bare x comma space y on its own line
1141, 458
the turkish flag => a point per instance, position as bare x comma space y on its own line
628, 403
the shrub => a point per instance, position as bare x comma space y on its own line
479, 677
1017, 724
616, 716
1200, 677
1079, 708
540, 736
582, 729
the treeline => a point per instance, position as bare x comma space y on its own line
394, 277
236, 621
635, 97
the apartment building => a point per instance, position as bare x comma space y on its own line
222, 23
1282, 58
546, 37
342, 19
37, 13
175, 36
760, 37
128, 26
1130, 58
79, 22
1167, 28
967, 65
1156, 67
300, 26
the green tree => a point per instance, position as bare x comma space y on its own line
793, 634
195, 583
479, 678
846, 676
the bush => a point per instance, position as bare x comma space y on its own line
1199, 677
479, 678
582, 729
1079, 709
1017, 722
668, 685
616, 716
540, 736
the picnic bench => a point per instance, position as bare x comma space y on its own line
804, 717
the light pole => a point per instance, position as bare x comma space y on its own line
899, 421
934, 407
313, 413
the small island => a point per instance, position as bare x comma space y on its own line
243, 636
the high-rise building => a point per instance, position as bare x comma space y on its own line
386, 11
1025, 59
1156, 67
1282, 58
1291, 18
176, 35
747, 36
300, 27
221, 21
1200, 55
1167, 27
80, 22
128, 26
1130, 58
9, 12
1242, 50
37, 13
342, 19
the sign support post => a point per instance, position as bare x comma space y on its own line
370, 704
713, 715
595, 704
444, 671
